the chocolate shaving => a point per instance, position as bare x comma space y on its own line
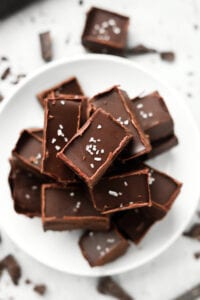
108, 286
194, 232
5, 73
40, 289
1, 97
46, 46
192, 294
167, 56
140, 50
10, 264
18, 78
197, 255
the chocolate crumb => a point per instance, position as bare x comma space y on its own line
194, 232
107, 286
167, 56
40, 289
192, 294
18, 78
28, 281
46, 46
5, 73
140, 50
4, 58
1, 97
80, 2
197, 255
10, 264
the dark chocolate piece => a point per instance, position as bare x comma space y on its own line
25, 189
70, 86
66, 208
95, 146
13, 268
40, 289
140, 50
38, 133
117, 103
46, 46
192, 294
5, 73
193, 232
28, 151
167, 56
162, 146
133, 224
122, 192
100, 248
62, 120
153, 115
164, 190
105, 31
108, 286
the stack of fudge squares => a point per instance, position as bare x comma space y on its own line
85, 169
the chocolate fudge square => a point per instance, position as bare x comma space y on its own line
95, 146
70, 86
25, 189
105, 31
122, 192
133, 224
28, 150
153, 116
116, 102
66, 208
164, 190
62, 120
100, 248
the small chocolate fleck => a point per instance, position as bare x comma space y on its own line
167, 56
107, 286
18, 78
28, 281
46, 46
197, 255
1, 97
10, 264
5, 73
80, 2
40, 289
193, 232
140, 50
4, 58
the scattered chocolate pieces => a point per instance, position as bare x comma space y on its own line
192, 294
140, 49
168, 56
5, 73
10, 264
193, 232
40, 289
107, 286
46, 46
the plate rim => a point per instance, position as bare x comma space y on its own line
124, 61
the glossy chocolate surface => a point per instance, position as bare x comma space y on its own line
70, 207
105, 31
92, 150
121, 192
100, 248
117, 103
62, 120
162, 146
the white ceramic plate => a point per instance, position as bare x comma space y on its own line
96, 73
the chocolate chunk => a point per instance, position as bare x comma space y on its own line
70, 86
117, 103
25, 189
192, 294
66, 208
105, 31
122, 192
10, 264
5, 73
95, 146
162, 146
100, 248
153, 115
140, 224
167, 56
140, 50
1, 97
193, 232
46, 46
40, 289
106, 285
62, 120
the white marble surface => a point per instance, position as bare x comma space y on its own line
162, 24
